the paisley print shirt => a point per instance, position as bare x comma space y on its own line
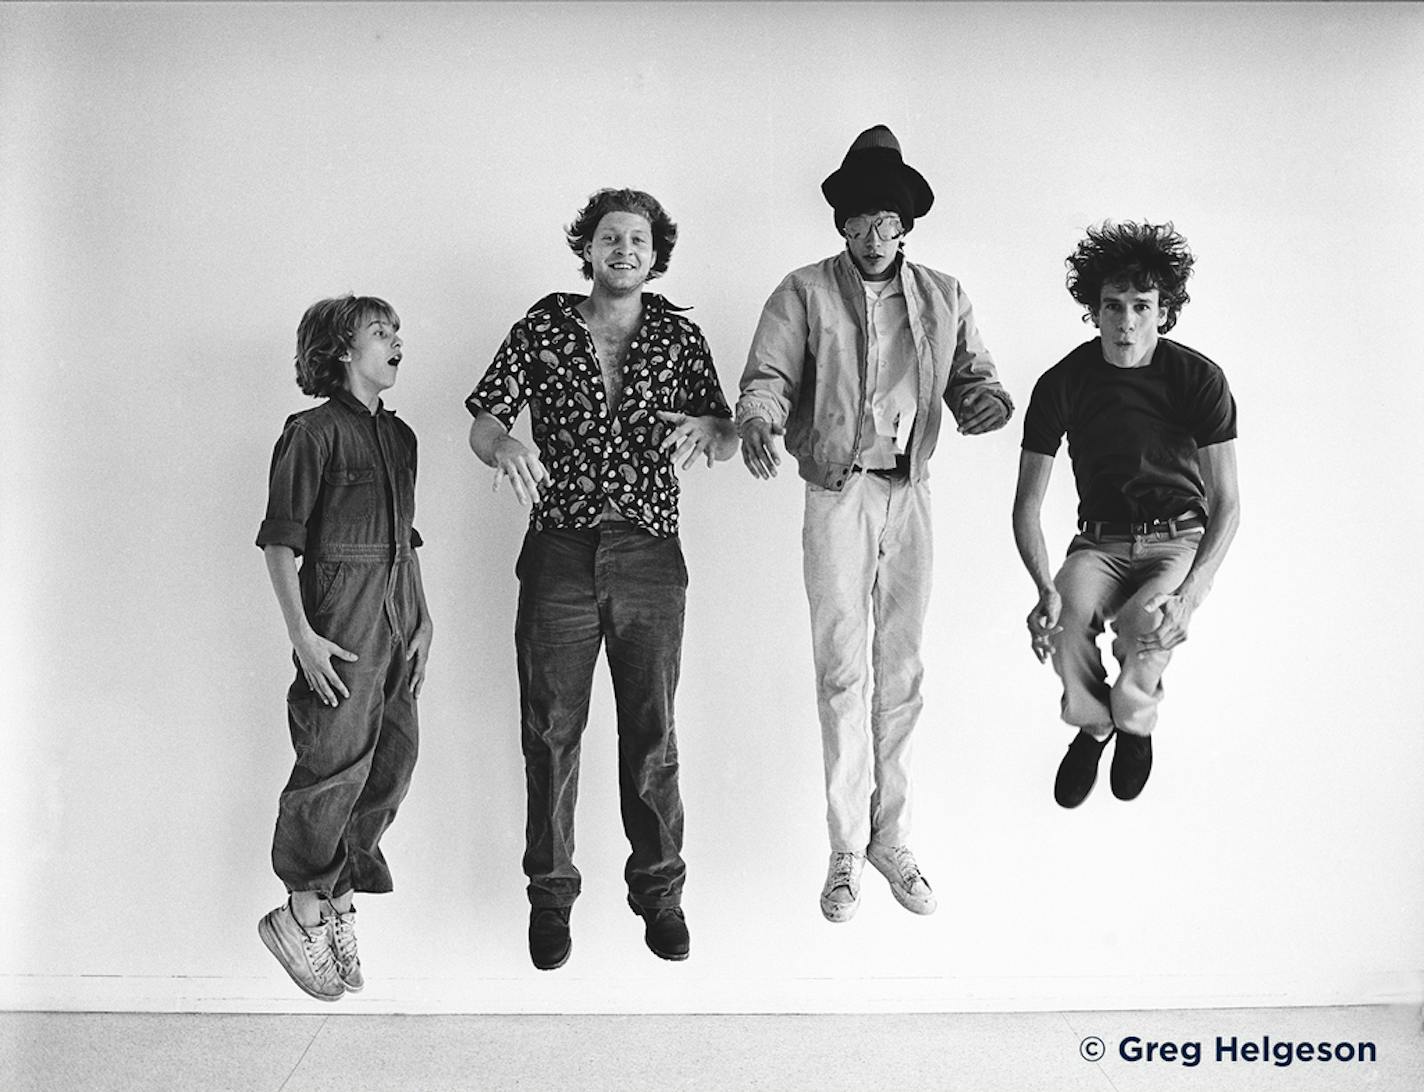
549, 363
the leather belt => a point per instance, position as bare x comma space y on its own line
901, 469
1187, 521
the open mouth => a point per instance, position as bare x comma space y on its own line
394, 361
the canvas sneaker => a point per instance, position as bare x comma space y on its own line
343, 943
841, 895
305, 954
907, 883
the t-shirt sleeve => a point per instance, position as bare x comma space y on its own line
1213, 408
504, 389
704, 389
293, 486
1044, 421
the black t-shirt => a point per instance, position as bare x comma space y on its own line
1133, 433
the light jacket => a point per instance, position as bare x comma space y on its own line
806, 371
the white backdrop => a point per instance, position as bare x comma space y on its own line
178, 182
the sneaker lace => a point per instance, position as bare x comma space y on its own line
843, 870
343, 937
906, 864
317, 944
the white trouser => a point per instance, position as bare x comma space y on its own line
868, 551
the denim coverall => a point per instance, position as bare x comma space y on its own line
342, 496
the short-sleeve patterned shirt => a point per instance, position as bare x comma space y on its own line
549, 363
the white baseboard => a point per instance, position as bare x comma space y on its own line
557, 992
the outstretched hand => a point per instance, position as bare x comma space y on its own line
688, 437
758, 449
515, 462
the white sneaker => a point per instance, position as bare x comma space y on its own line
841, 895
305, 954
343, 945
907, 883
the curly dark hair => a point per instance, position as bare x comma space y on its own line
326, 332
580, 232
1143, 256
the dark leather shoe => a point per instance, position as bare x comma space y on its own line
666, 931
1078, 770
1132, 762
549, 943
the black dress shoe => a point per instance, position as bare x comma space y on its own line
1132, 762
666, 931
549, 943
1078, 770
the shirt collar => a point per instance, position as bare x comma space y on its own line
355, 405
655, 307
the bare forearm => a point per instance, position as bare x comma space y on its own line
282, 570
485, 434
1034, 472
1033, 549
1220, 531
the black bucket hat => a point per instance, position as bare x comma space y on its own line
874, 175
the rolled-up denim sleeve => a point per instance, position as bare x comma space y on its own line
293, 485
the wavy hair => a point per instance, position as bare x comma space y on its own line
580, 232
326, 332
1143, 256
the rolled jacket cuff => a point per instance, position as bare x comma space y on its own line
282, 532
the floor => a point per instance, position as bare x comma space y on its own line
1022, 1052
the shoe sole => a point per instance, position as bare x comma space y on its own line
554, 966
269, 938
671, 957
922, 908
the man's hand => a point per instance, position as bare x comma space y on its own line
418, 653
314, 653
521, 466
689, 436
758, 450
982, 411
1043, 623
1172, 629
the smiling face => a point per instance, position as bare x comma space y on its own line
373, 358
1129, 319
620, 253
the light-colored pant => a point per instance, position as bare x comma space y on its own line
1108, 581
867, 552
